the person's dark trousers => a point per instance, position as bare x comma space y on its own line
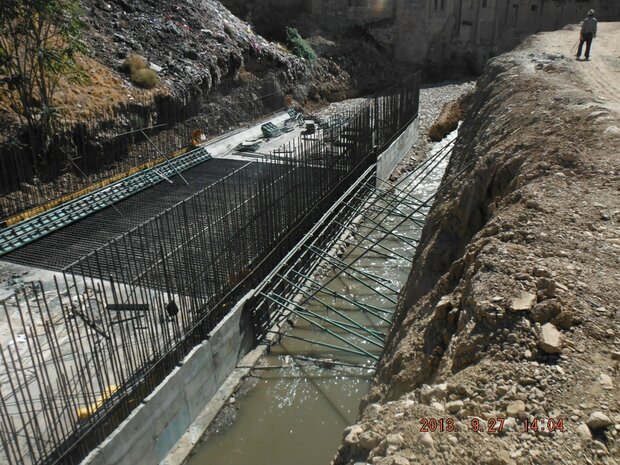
587, 38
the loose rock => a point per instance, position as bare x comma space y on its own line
369, 440
584, 432
523, 302
426, 440
352, 435
550, 339
606, 382
516, 409
454, 406
598, 420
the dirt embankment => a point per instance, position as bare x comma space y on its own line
511, 314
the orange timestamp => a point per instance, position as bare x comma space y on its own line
544, 424
491, 425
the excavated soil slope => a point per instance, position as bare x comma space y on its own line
512, 309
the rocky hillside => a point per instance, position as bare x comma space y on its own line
189, 43
203, 55
506, 344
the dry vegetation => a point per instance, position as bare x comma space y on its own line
140, 73
98, 92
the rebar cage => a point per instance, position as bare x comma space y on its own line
79, 356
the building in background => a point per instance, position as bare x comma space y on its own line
436, 31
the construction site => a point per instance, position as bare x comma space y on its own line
225, 241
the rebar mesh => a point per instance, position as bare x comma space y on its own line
76, 359
87, 149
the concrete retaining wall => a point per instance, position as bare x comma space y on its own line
335, 14
152, 429
391, 157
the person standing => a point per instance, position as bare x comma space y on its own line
588, 32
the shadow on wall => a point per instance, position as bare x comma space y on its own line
269, 17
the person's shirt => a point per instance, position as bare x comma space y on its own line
589, 25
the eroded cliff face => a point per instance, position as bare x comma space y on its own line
510, 311
210, 63
200, 47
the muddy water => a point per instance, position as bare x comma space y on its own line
298, 408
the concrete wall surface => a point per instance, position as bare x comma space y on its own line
154, 427
269, 16
392, 156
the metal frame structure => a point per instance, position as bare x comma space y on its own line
357, 226
76, 359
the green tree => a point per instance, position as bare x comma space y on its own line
38, 42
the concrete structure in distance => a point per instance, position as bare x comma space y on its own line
435, 31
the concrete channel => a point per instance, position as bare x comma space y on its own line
103, 332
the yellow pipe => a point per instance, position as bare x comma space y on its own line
84, 413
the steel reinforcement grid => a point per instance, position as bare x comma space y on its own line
78, 356
88, 150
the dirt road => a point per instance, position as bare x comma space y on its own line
601, 74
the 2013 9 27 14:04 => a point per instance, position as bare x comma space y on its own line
491, 425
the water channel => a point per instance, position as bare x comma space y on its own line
297, 408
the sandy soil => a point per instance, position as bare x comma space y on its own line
510, 319
600, 74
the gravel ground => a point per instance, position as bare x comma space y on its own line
432, 98
338, 108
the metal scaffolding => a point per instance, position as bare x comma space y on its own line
370, 220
